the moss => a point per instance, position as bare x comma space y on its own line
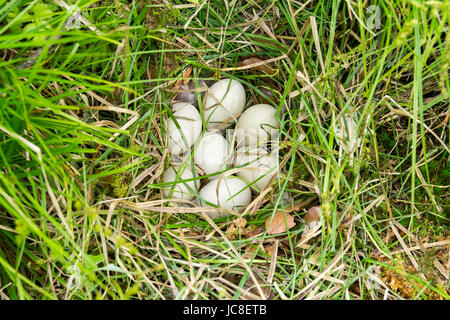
386, 140
429, 228
445, 173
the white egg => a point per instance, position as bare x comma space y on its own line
212, 152
190, 124
224, 103
227, 192
179, 189
257, 125
258, 166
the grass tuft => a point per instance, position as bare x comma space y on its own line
362, 93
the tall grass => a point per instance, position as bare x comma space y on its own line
362, 96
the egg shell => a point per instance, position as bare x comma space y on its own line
258, 166
227, 192
190, 124
224, 102
181, 190
257, 125
212, 152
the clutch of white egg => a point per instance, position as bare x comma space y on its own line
254, 166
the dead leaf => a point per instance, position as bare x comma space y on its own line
314, 214
300, 205
183, 80
310, 231
252, 232
250, 252
236, 227
250, 286
259, 65
313, 226
271, 249
279, 223
268, 93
